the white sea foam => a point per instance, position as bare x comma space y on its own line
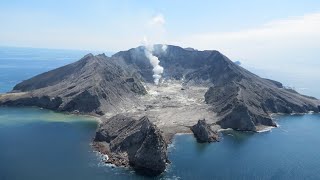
171, 147
102, 159
180, 134
228, 129
266, 129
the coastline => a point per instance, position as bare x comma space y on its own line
90, 117
174, 131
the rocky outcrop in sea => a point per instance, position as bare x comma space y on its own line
203, 132
100, 85
135, 143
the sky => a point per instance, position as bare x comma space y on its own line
264, 33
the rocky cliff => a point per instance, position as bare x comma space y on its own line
207, 86
137, 143
203, 132
241, 99
246, 103
99, 85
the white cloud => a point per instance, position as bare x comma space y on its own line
158, 20
294, 39
156, 31
286, 50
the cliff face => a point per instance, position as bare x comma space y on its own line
241, 99
235, 97
137, 143
246, 103
203, 132
99, 84
177, 62
94, 84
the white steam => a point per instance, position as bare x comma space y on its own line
154, 61
156, 32
157, 20
164, 47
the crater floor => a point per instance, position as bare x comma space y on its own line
173, 107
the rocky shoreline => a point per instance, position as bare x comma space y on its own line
131, 142
203, 132
139, 119
121, 138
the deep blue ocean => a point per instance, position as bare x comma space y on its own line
37, 144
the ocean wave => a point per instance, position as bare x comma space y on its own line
102, 158
266, 129
171, 146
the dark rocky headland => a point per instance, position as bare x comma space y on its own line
203, 132
137, 143
139, 119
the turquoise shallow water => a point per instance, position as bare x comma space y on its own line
41, 144
38, 144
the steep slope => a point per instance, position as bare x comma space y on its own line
177, 62
98, 85
187, 64
138, 143
203, 132
241, 99
207, 85
94, 84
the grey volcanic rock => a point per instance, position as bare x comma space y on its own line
137, 143
99, 85
247, 104
241, 99
203, 132
43, 101
94, 85
177, 62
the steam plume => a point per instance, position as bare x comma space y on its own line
157, 69
157, 30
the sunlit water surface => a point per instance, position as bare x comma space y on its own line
37, 144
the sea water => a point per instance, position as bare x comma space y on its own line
37, 144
